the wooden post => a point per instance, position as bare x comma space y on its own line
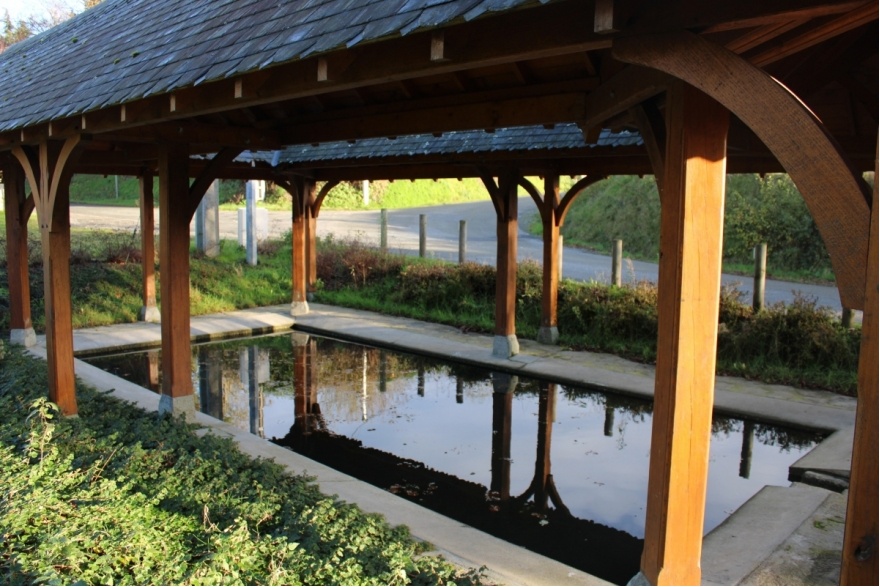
18, 209
462, 241
305, 193
859, 561
692, 207
548, 333
49, 169
311, 250
760, 277
423, 235
504, 197
177, 391
846, 318
617, 263
149, 312
383, 230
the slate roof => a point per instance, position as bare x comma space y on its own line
524, 138
124, 50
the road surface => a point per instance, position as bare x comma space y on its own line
442, 241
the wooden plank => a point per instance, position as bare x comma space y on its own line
17, 247
860, 561
174, 273
790, 131
692, 210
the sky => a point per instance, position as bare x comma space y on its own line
19, 9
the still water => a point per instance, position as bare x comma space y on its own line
556, 468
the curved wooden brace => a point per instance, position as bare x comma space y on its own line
31, 166
211, 171
536, 195
572, 193
46, 170
62, 169
325, 189
788, 129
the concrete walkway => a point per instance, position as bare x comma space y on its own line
783, 535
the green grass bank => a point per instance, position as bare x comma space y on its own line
118, 496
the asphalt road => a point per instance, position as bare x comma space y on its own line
442, 241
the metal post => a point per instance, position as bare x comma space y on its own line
251, 222
760, 277
423, 234
617, 263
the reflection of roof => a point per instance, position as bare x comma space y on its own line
525, 138
124, 50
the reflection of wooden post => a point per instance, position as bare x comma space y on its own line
420, 381
149, 311
459, 390
177, 392
692, 207
210, 383
608, 429
383, 371
153, 370
546, 414
502, 404
18, 210
745, 454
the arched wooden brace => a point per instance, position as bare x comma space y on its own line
791, 132
553, 211
211, 172
149, 312
504, 198
859, 562
174, 218
18, 209
49, 168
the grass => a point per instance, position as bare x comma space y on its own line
119, 496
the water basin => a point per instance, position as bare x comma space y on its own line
559, 469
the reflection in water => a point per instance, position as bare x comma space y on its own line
470, 444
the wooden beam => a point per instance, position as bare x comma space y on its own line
174, 217
49, 168
860, 558
150, 311
847, 22
208, 175
790, 131
630, 87
17, 213
692, 214
504, 197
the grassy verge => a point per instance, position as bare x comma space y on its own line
118, 496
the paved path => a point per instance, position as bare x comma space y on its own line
442, 241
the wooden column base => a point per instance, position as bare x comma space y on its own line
505, 346
23, 336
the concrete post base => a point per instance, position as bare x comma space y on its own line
639, 579
149, 314
23, 336
548, 335
299, 308
505, 347
185, 405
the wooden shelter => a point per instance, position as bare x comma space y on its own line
142, 87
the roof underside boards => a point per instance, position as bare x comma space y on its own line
124, 50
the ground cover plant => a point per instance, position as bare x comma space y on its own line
119, 496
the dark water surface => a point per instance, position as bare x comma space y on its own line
559, 469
